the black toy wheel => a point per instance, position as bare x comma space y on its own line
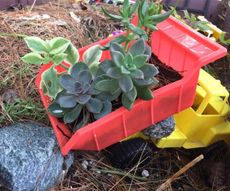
127, 154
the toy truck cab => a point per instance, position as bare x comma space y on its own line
206, 121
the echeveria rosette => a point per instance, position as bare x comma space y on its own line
79, 94
129, 73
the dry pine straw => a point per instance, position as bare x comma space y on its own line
14, 74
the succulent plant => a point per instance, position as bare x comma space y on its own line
79, 95
128, 73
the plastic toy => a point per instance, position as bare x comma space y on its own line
176, 45
198, 126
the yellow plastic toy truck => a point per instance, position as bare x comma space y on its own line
206, 121
198, 126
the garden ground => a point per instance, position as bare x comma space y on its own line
19, 99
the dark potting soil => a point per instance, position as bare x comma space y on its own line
165, 76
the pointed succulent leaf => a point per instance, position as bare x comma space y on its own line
124, 70
94, 105
144, 82
72, 115
72, 54
137, 48
149, 70
85, 77
58, 58
128, 58
118, 58
106, 109
151, 26
107, 85
92, 55
106, 65
138, 31
116, 47
125, 83
56, 110
67, 101
50, 81
147, 51
144, 7
77, 68
33, 58
83, 98
58, 45
134, 8
144, 93
36, 44
115, 17
114, 72
140, 60
131, 95
161, 17
137, 74
126, 102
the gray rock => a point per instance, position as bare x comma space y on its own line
161, 129
30, 158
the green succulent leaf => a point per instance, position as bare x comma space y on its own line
138, 48
58, 45
94, 105
131, 95
144, 93
56, 110
147, 51
72, 54
114, 72
128, 58
160, 17
137, 74
126, 83
145, 82
83, 99
58, 58
139, 31
85, 77
68, 83
33, 58
106, 109
116, 47
107, 85
118, 58
140, 60
112, 16
92, 55
106, 65
126, 102
149, 70
124, 70
72, 115
67, 101
36, 44
144, 7
77, 68
50, 82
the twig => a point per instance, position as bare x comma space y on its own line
32, 6
2, 34
168, 182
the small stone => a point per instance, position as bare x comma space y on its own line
145, 173
98, 171
85, 164
30, 158
161, 129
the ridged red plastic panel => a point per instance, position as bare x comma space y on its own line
175, 45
